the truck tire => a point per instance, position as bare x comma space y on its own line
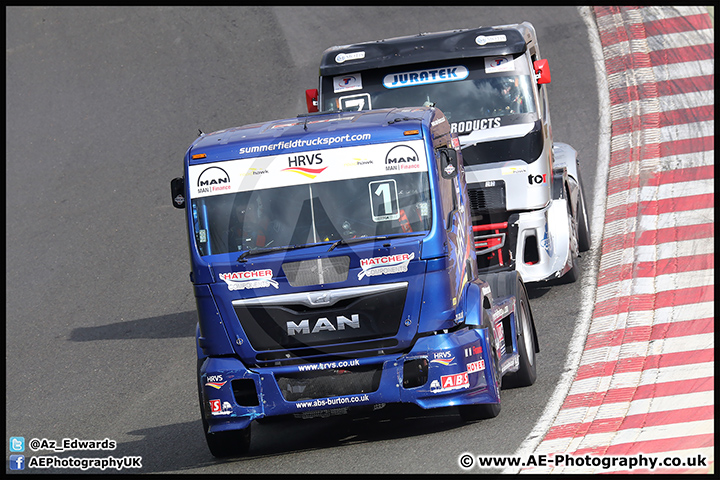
507, 284
526, 341
485, 411
231, 443
584, 241
574, 273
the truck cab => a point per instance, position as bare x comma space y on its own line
333, 270
527, 205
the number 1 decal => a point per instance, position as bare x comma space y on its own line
384, 200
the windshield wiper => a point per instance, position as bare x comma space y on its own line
351, 241
261, 251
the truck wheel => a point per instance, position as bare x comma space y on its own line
583, 223
484, 411
527, 372
572, 275
231, 443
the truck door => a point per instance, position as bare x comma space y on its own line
457, 231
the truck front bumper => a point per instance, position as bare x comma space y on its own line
441, 370
542, 248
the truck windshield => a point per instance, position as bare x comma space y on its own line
277, 214
477, 95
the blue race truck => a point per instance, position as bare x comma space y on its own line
334, 271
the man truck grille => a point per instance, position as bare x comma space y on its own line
329, 322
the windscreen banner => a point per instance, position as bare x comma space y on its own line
307, 167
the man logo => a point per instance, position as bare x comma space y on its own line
401, 154
213, 176
323, 325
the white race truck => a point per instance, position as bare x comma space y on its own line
528, 208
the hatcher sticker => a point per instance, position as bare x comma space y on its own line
502, 63
346, 83
218, 407
385, 265
250, 279
450, 382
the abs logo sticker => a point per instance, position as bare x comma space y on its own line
251, 279
450, 382
424, 77
385, 265
213, 179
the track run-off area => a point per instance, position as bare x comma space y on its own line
642, 381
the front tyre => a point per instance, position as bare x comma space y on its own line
584, 241
232, 443
574, 273
485, 411
527, 372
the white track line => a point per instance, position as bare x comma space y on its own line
589, 279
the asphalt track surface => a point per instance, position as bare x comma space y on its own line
101, 105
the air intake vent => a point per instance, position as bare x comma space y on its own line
318, 271
329, 383
486, 199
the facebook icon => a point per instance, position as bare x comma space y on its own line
17, 462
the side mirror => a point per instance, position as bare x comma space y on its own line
177, 190
448, 163
311, 98
542, 70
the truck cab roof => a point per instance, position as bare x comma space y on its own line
307, 132
427, 47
